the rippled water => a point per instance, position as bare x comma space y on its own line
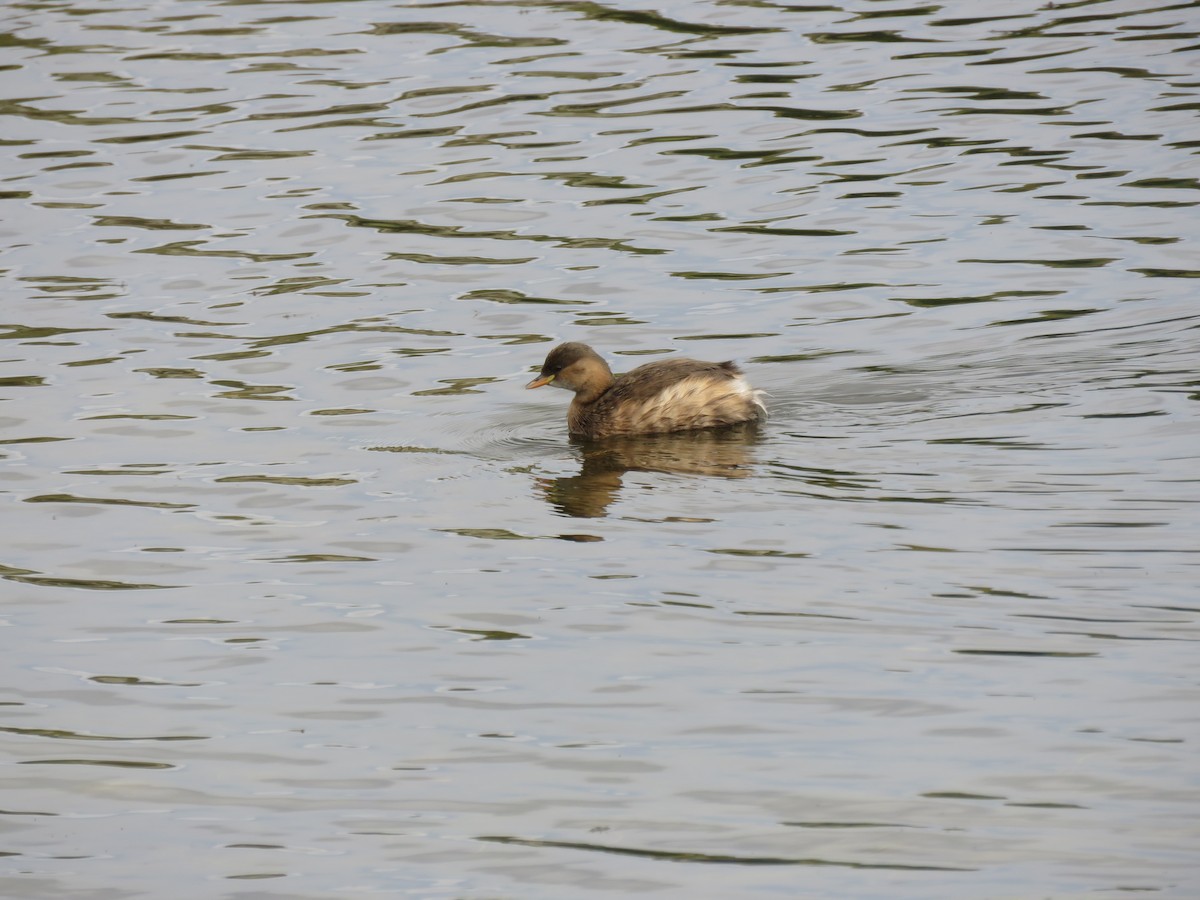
306, 596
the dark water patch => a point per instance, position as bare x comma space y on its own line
1097, 262
513, 296
65, 735
83, 288
259, 392
426, 258
188, 56
1109, 525
171, 372
410, 133
147, 138
959, 795
1048, 315
318, 558
413, 226
23, 381
107, 501
33, 440
134, 681
639, 199
352, 411
308, 284
88, 584
1189, 609
477, 634
724, 337
1146, 740
469, 36
728, 276
1133, 415
601, 13
1003, 441
797, 357
289, 480
748, 158
419, 449
1046, 805
127, 469
1104, 636
983, 93
37, 333
804, 114
25, 110
104, 360
180, 247
1173, 184
763, 554
867, 37
108, 763
1168, 273
489, 534
147, 316
793, 615
150, 224
594, 318
29, 576
846, 825
935, 302
1147, 204
711, 858
1054, 654
193, 248
1065, 618
456, 386
257, 155
783, 232
139, 417
819, 288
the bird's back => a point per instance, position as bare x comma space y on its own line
669, 395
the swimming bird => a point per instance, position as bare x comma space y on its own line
668, 395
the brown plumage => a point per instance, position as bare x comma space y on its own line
669, 395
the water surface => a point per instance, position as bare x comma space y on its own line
306, 596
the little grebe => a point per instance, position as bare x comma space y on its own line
669, 395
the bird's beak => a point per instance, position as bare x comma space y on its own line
540, 381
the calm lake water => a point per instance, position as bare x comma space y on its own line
306, 597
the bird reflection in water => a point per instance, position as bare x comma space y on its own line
724, 453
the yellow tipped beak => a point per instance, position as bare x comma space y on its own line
540, 381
